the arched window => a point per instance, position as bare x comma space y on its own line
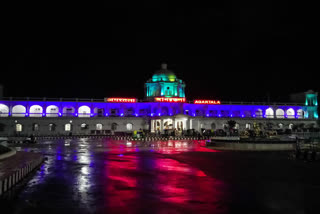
52, 127
280, 113
84, 126
68, 111
258, 113
35, 111
280, 125
248, 126
19, 111
237, 126
213, 126
18, 127
4, 110
300, 113
129, 126
290, 113
99, 126
290, 126
84, 111
52, 111
269, 113
67, 127
114, 126
35, 127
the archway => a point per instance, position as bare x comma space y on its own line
18, 127
84, 111
99, 126
129, 126
68, 111
19, 111
213, 126
300, 113
35, 111
258, 113
52, 111
290, 113
269, 113
4, 110
114, 126
280, 113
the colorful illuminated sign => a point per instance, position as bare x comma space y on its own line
121, 100
170, 99
214, 102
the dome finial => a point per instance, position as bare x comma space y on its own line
164, 66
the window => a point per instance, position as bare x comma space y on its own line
99, 126
129, 126
35, 127
67, 127
84, 126
52, 127
280, 125
18, 127
114, 126
248, 126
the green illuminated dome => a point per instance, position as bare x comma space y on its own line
164, 75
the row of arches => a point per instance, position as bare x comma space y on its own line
85, 111
69, 127
258, 113
250, 126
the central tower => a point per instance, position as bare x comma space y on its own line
164, 83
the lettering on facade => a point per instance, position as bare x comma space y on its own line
212, 102
171, 100
121, 100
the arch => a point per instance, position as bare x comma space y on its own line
18, 127
84, 111
4, 110
68, 111
213, 126
84, 126
35, 127
99, 112
19, 111
279, 113
248, 125
35, 111
99, 126
52, 127
258, 113
68, 127
280, 126
52, 111
269, 113
290, 113
300, 113
290, 126
129, 126
114, 126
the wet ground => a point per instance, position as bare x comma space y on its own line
106, 176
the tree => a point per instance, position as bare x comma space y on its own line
231, 124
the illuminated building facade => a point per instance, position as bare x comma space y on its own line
165, 107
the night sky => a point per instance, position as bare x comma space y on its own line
229, 51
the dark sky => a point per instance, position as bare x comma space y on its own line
227, 51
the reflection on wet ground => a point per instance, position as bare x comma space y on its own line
104, 176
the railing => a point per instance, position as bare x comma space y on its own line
143, 100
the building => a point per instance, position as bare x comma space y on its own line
164, 107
